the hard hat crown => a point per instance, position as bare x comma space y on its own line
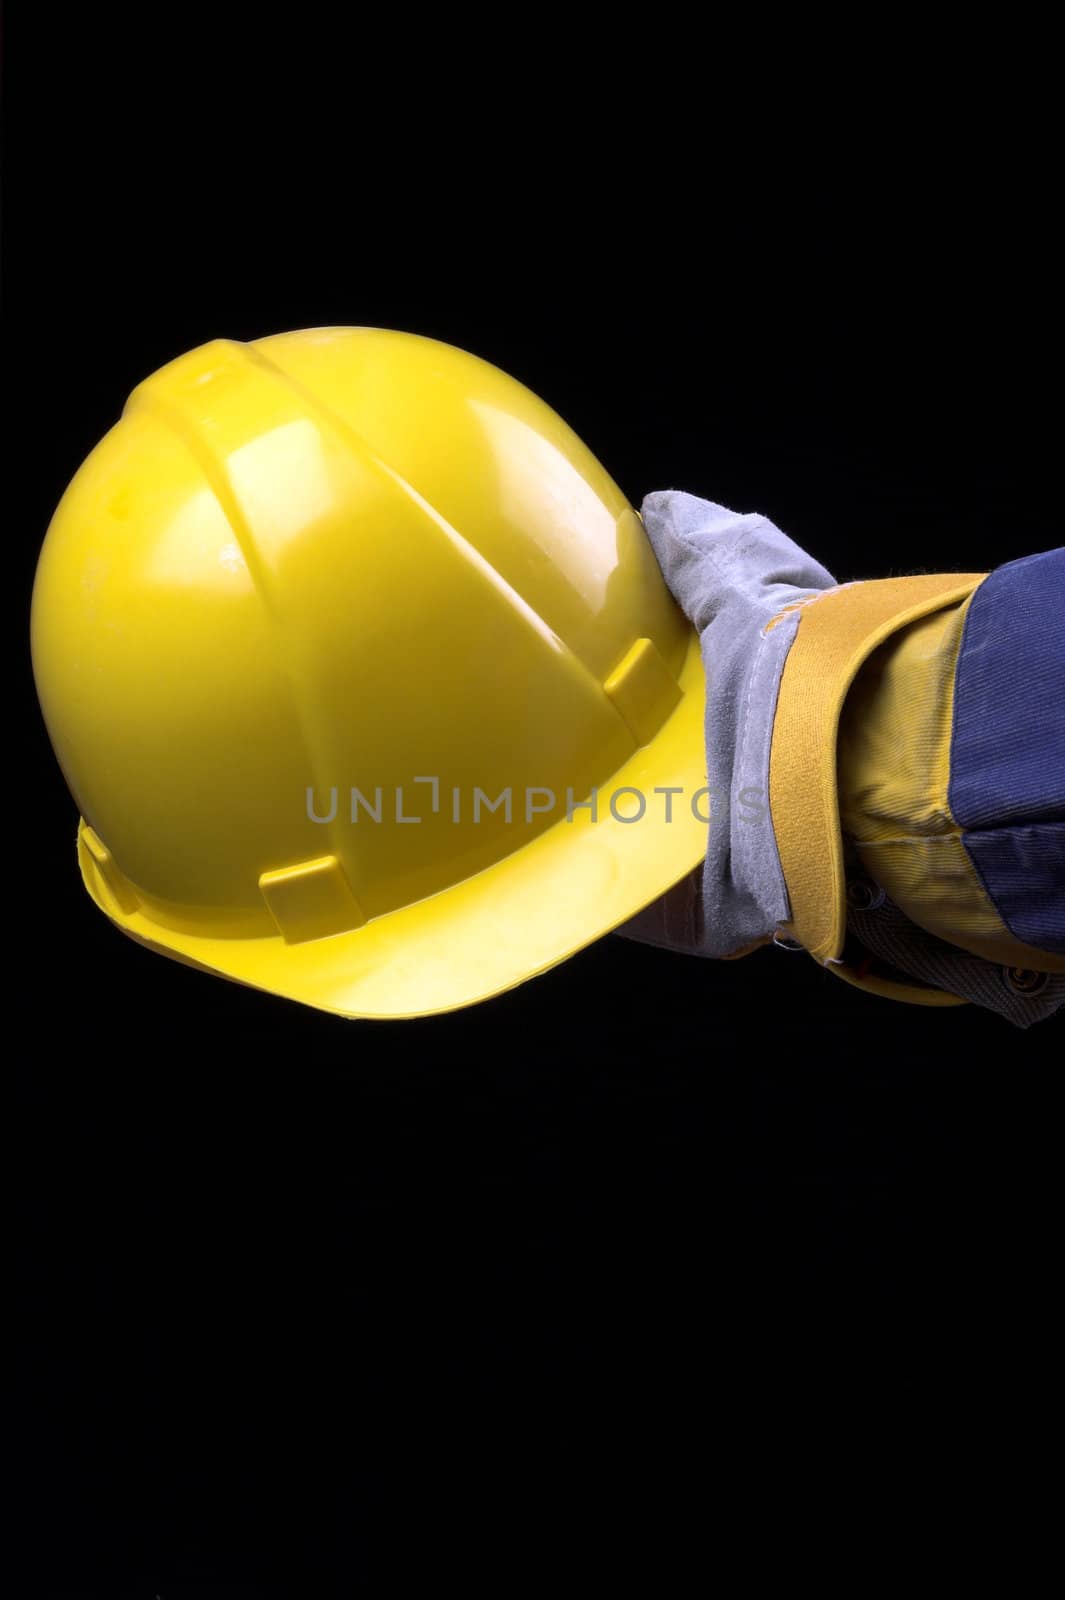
311, 589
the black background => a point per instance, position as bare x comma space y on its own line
586, 1278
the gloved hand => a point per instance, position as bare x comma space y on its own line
731, 573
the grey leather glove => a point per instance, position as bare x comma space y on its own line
731, 573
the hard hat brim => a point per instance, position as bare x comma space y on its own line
563, 890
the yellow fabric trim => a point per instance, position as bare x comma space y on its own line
911, 993
836, 634
895, 730
894, 774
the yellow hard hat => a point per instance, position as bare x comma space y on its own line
363, 675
